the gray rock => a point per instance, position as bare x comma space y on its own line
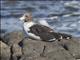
13, 37
4, 51
16, 52
32, 48
78, 59
39, 50
55, 52
73, 47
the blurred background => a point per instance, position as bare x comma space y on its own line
63, 16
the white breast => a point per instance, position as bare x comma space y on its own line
27, 26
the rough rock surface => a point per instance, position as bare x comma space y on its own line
17, 47
16, 52
73, 46
39, 50
4, 51
13, 37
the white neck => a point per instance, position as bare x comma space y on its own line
28, 24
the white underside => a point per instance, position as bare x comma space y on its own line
52, 39
34, 36
27, 25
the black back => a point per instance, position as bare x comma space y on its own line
38, 29
45, 34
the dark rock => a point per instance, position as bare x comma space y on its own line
78, 59
4, 51
13, 37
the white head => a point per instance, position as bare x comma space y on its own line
27, 17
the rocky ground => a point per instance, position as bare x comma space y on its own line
15, 46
